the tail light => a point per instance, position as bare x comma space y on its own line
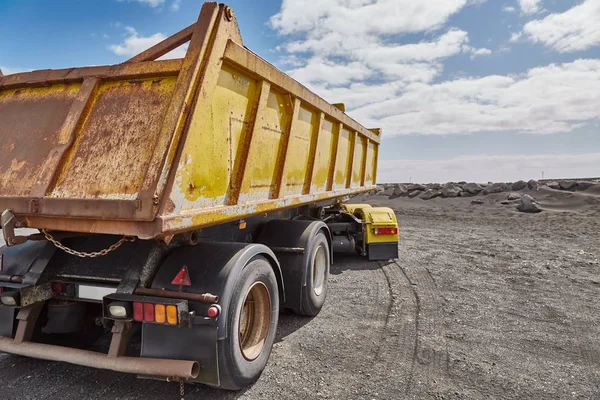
158, 313
385, 231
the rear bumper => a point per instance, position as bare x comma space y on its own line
179, 369
382, 251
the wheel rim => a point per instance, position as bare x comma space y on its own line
319, 269
255, 320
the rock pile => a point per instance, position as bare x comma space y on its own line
524, 202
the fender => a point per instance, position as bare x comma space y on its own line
280, 233
213, 268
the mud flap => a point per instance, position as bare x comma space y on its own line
195, 343
7, 321
382, 251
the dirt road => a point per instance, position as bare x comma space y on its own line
484, 302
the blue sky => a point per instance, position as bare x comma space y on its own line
464, 89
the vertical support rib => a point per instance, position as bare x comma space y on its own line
363, 168
313, 153
240, 181
188, 81
350, 165
337, 130
80, 106
284, 151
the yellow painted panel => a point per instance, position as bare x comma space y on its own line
342, 159
357, 162
370, 172
299, 145
264, 150
113, 148
213, 143
323, 157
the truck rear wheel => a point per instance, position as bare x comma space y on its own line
316, 267
253, 315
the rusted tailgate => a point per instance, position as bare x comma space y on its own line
91, 139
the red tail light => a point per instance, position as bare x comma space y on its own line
157, 313
385, 231
213, 311
59, 288
148, 312
138, 311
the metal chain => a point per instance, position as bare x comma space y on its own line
182, 389
83, 254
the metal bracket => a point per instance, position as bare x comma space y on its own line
121, 331
8, 223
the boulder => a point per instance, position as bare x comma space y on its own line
519, 185
414, 186
472, 188
528, 205
435, 186
514, 196
495, 188
388, 192
553, 185
583, 185
379, 189
414, 193
466, 194
430, 194
567, 185
450, 190
399, 191
532, 184
477, 201
505, 203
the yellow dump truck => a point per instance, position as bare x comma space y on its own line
188, 200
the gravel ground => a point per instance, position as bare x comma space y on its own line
484, 302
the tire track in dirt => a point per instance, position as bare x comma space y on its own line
412, 345
430, 359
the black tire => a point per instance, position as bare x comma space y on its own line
239, 368
316, 270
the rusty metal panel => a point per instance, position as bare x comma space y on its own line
113, 147
30, 123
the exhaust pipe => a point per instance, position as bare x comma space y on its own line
132, 365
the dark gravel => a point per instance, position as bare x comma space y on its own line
484, 302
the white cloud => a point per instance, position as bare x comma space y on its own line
529, 7
550, 99
12, 70
352, 17
387, 81
573, 30
486, 168
509, 9
516, 36
151, 3
175, 5
135, 44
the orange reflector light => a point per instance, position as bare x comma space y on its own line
160, 315
243, 225
172, 315
385, 231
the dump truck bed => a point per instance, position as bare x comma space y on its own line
152, 148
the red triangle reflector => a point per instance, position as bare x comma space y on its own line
182, 278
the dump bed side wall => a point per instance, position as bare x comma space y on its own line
256, 144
